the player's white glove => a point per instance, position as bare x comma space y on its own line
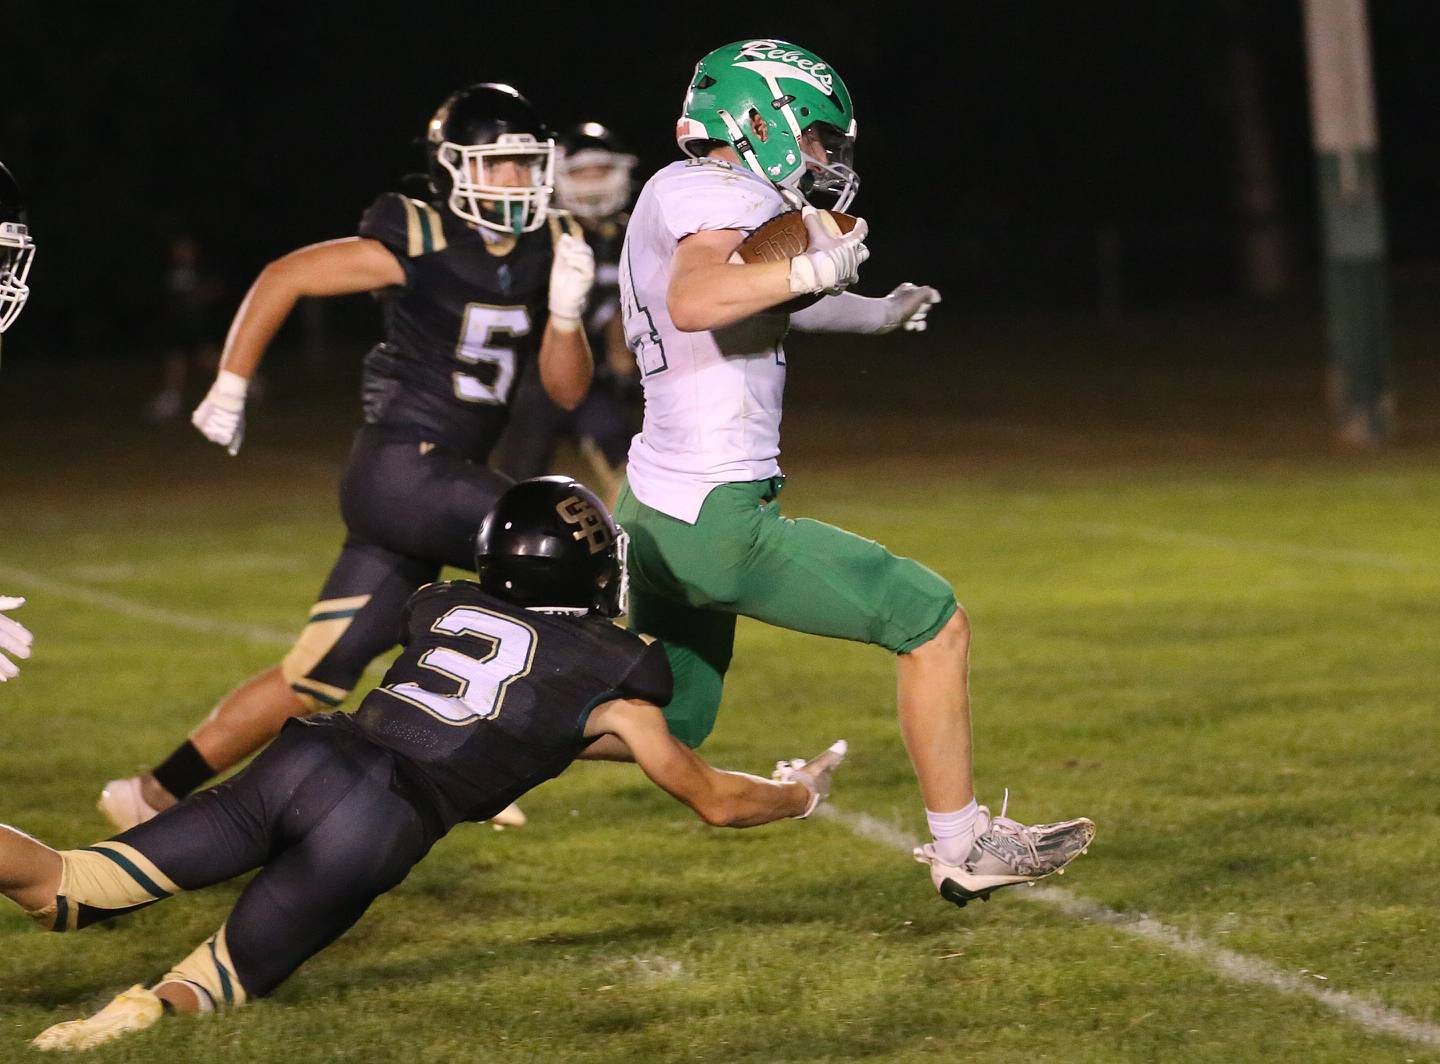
907, 305
15, 638
813, 774
220, 417
571, 275
832, 262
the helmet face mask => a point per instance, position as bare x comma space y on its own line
550, 544
483, 189
593, 174
768, 100
17, 251
491, 159
829, 155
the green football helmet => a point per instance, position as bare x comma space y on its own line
785, 112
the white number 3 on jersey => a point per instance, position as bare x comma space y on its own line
482, 681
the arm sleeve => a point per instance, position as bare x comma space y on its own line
699, 198
844, 313
650, 679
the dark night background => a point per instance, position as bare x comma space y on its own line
1078, 159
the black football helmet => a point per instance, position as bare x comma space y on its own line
471, 138
551, 543
592, 172
16, 250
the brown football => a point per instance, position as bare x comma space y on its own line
780, 239
783, 237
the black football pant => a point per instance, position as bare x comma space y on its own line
409, 508
536, 424
321, 810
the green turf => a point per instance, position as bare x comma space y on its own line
1218, 640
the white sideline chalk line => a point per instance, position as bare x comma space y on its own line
143, 611
1236, 967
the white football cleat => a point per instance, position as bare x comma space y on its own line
1007, 853
133, 1010
124, 805
512, 816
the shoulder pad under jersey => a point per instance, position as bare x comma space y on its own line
408, 227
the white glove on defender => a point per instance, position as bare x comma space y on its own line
832, 262
813, 774
220, 417
15, 638
907, 305
571, 275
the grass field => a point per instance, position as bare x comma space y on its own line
1194, 622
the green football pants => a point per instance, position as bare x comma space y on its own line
688, 583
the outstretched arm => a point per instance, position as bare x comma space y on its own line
333, 268
336, 267
906, 306
725, 799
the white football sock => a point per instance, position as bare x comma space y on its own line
955, 832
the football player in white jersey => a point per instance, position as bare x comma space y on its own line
16, 252
768, 126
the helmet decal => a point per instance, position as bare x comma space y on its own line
549, 543
784, 111
776, 59
577, 511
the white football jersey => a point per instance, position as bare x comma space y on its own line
712, 399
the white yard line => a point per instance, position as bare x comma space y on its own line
1235, 967
68, 591
12, 579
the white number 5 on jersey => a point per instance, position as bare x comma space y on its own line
482, 681
487, 338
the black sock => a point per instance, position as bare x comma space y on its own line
183, 771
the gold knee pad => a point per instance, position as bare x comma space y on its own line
329, 620
107, 878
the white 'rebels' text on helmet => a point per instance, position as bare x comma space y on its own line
785, 112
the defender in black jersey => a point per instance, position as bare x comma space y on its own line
593, 181
502, 684
479, 285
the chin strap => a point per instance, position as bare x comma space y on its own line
792, 197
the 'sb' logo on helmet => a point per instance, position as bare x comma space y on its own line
581, 512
